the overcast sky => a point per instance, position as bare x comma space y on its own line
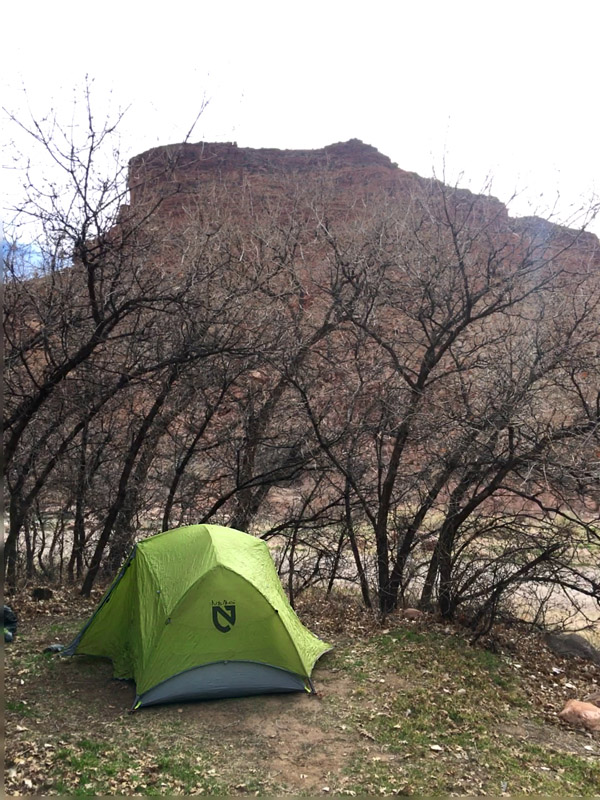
507, 89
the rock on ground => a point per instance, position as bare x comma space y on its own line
581, 714
572, 645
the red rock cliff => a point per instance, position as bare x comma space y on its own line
182, 174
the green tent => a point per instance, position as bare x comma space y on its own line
199, 612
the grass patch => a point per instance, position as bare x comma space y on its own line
61, 629
98, 767
442, 728
21, 708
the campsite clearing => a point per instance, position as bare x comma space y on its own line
406, 709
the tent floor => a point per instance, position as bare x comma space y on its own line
223, 679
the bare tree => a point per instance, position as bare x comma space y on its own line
469, 335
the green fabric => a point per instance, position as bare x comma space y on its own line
170, 609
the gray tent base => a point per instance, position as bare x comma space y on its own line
224, 679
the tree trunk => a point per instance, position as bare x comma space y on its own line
17, 516
362, 577
75, 565
123, 484
336, 563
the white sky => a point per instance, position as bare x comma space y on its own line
507, 89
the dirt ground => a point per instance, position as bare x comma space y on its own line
285, 738
69, 730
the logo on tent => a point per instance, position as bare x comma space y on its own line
223, 616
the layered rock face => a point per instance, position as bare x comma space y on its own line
350, 172
182, 176
225, 156
186, 167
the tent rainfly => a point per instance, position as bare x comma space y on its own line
198, 613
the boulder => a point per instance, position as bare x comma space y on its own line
572, 645
412, 613
41, 593
580, 714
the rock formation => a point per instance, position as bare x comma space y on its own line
184, 179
